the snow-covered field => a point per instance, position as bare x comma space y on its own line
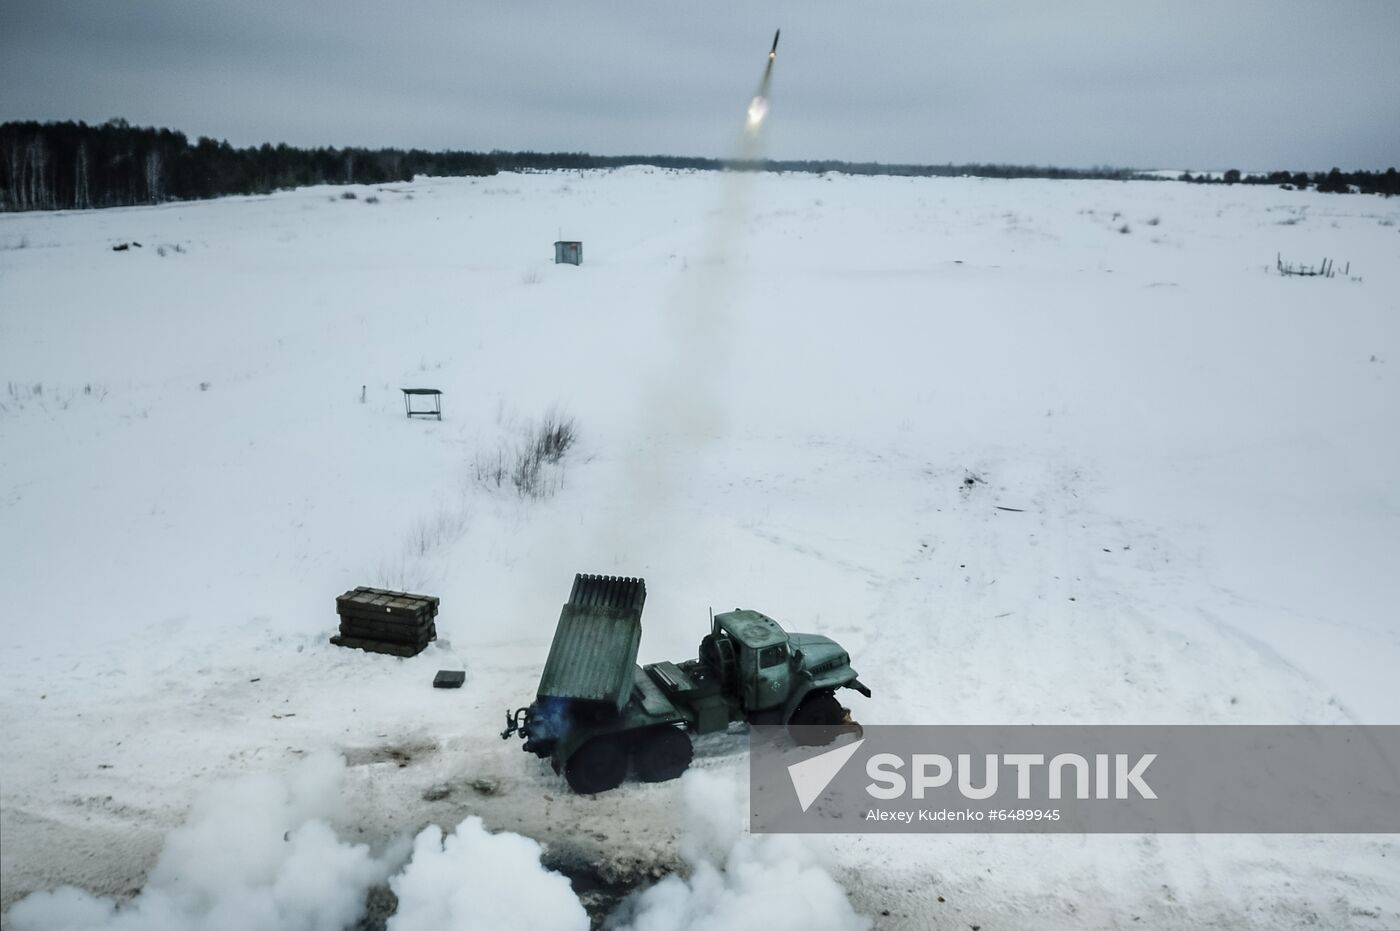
805, 395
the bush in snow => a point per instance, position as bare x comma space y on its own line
555, 435
534, 462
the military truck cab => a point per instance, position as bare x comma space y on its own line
773, 669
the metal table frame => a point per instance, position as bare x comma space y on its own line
410, 393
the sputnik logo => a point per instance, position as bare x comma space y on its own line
811, 777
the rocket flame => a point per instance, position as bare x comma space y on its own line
758, 109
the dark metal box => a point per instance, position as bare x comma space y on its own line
384, 621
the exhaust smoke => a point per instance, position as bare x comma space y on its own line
257, 855
758, 109
680, 398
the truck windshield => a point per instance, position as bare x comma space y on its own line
772, 656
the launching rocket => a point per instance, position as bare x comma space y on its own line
758, 107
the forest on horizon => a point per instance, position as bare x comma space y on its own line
73, 165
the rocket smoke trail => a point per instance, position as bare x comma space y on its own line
680, 398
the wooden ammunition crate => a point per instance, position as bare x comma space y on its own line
383, 621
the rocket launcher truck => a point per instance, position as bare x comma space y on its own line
597, 713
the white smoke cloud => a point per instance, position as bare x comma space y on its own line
473, 879
738, 881
256, 856
251, 857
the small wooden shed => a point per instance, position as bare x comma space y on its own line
567, 251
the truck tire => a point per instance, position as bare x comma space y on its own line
819, 719
597, 766
662, 753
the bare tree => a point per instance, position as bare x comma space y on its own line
36, 158
14, 169
154, 182
82, 199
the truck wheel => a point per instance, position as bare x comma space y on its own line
597, 766
819, 719
662, 753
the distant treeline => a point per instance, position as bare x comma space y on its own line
60, 166
1335, 181
516, 161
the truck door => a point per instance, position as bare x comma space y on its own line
769, 677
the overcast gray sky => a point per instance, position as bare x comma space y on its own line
1254, 84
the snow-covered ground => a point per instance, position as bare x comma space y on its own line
804, 395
